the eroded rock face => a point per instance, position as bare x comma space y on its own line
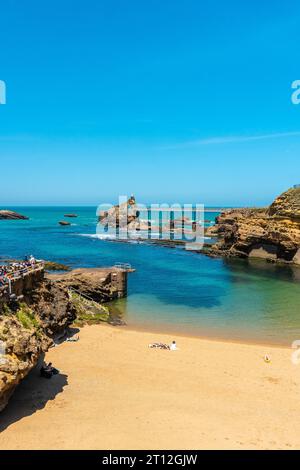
10, 215
44, 310
52, 305
22, 348
101, 285
272, 233
26, 330
296, 258
287, 205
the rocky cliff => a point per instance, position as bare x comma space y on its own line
272, 233
43, 307
26, 329
22, 342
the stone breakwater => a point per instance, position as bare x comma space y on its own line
272, 233
99, 284
40, 307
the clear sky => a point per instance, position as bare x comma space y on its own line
173, 100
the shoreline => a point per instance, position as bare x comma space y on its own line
162, 330
128, 396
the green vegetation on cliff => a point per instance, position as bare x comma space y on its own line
88, 311
27, 317
52, 266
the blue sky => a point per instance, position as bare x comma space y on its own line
172, 100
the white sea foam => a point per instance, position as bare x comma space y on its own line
114, 237
98, 236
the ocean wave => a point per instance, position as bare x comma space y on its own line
97, 236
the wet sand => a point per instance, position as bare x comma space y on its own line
116, 393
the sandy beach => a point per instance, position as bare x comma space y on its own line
116, 393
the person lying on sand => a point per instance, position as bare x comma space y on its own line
159, 346
171, 347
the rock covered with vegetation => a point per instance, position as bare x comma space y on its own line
54, 266
27, 328
48, 305
22, 342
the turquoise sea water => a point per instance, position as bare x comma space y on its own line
172, 289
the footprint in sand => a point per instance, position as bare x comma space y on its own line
272, 380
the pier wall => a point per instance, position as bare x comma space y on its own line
21, 285
118, 279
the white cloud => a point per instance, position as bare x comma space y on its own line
233, 139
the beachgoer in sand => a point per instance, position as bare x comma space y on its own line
173, 346
159, 346
47, 370
52, 369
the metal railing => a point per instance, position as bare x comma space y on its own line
11, 276
84, 296
124, 266
86, 299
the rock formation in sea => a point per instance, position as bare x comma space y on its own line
10, 215
272, 233
41, 308
125, 215
64, 222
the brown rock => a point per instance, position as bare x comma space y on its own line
64, 222
296, 258
100, 285
10, 215
26, 329
120, 215
272, 233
